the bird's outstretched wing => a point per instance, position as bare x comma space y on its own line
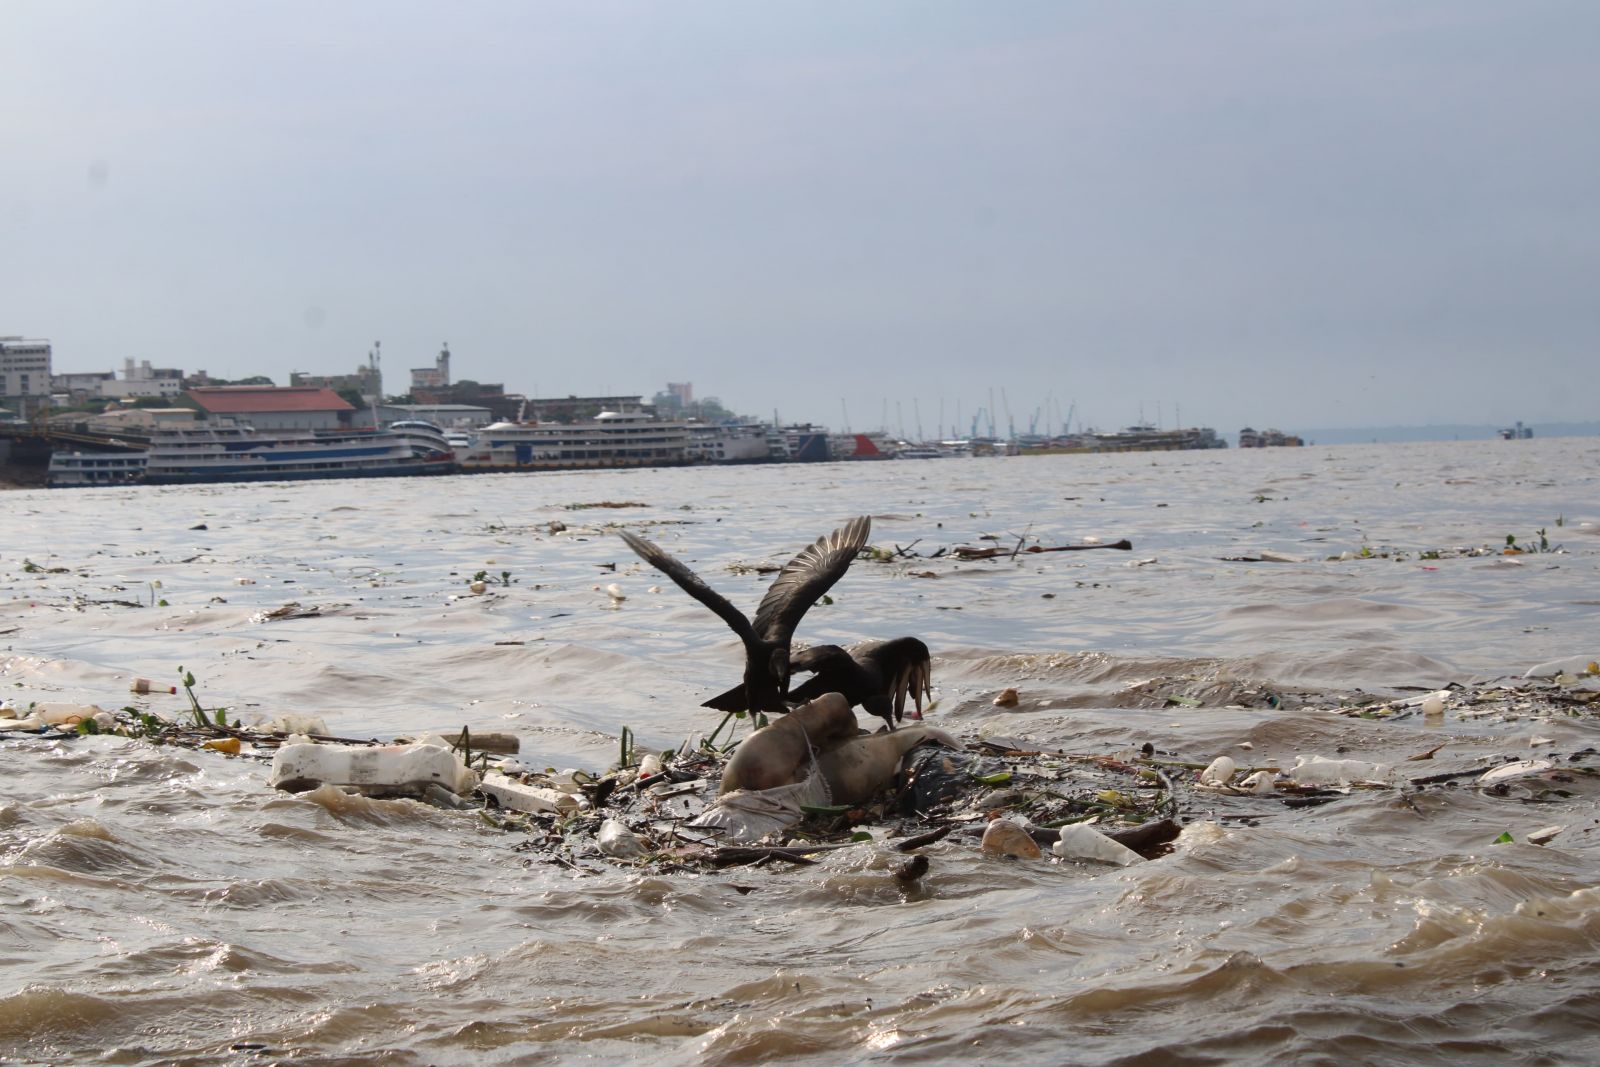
806, 577
690, 583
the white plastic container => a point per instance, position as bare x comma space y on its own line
1220, 772
1577, 665
379, 768
1080, 842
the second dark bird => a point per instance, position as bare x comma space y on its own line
800, 583
878, 675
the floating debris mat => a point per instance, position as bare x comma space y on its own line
1005, 796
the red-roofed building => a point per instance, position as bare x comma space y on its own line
274, 407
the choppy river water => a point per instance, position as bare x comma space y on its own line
167, 906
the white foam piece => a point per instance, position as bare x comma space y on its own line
510, 793
411, 767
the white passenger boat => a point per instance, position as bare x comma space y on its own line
70, 470
610, 439
239, 453
426, 440
728, 442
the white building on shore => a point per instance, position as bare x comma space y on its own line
24, 373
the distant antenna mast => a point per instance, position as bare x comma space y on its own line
845, 411
377, 380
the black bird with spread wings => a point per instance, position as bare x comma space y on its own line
878, 675
800, 583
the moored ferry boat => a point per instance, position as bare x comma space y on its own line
426, 440
728, 442
239, 453
861, 446
610, 439
923, 451
70, 470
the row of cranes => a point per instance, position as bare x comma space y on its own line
1047, 420
982, 420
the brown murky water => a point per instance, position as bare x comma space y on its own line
162, 906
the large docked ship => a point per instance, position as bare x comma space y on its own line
239, 453
79, 469
1141, 438
610, 439
728, 442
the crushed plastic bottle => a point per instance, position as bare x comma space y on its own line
619, 841
1321, 771
1080, 842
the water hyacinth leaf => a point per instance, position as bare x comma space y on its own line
861, 835
1504, 839
997, 778
88, 726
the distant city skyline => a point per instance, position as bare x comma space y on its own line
1357, 215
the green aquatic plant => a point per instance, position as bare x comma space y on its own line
219, 716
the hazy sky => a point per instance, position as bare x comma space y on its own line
1274, 213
